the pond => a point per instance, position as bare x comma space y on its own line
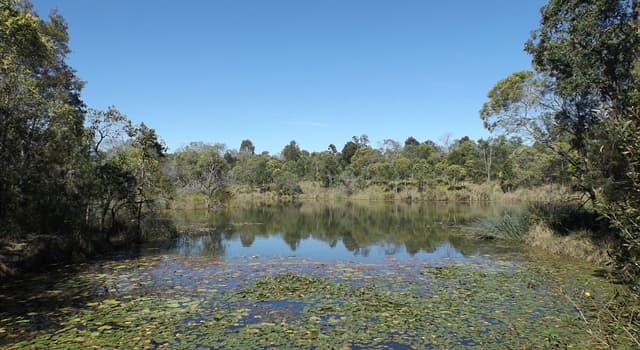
312, 275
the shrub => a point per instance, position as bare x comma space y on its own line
512, 225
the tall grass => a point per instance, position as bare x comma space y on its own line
512, 225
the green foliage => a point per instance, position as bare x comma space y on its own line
589, 49
566, 217
41, 120
581, 103
348, 151
512, 225
286, 183
514, 106
327, 168
621, 205
247, 148
58, 175
301, 304
291, 152
201, 168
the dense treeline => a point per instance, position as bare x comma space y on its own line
60, 172
210, 170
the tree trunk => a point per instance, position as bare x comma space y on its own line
140, 201
635, 13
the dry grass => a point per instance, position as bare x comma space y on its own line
577, 244
313, 191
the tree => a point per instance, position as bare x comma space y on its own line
402, 167
422, 173
363, 158
348, 151
247, 148
255, 172
112, 185
590, 51
361, 141
42, 138
286, 183
586, 57
487, 148
465, 154
521, 104
106, 127
327, 168
291, 152
201, 168
455, 173
411, 141
143, 160
390, 149
624, 213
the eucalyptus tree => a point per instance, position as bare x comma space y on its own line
348, 150
113, 186
42, 138
465, 153
411, 141
202, 168
247, 148
142, 158
584, 54
390, 149
327, 168
585, 94
291, 152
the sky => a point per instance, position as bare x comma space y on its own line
318, 72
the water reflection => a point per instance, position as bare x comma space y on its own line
348, 231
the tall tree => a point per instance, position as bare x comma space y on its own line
201, 168
143, 158
589, 50
247, 148
291, 152
348, 150
42, 138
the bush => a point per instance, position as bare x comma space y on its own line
564, 217
512, 225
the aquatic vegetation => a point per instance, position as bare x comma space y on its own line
257, 303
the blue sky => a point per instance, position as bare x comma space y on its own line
315, 71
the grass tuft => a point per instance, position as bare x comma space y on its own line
512, 225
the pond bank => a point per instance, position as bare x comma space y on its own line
35, 253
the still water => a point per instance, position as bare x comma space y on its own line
347, 232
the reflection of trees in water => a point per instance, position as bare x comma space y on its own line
209, 243
247, 238
391, 226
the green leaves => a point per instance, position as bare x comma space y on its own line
291, 303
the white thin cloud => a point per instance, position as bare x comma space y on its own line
308, 123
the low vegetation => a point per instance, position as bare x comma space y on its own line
305, 305
512, 225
